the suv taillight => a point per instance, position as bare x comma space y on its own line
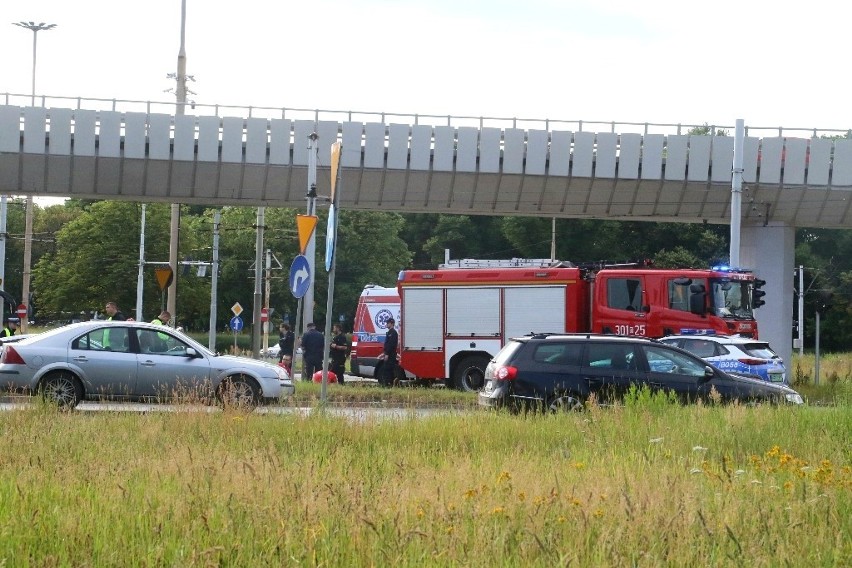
11, 357
752, 361
506, 373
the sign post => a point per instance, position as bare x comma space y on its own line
330, 263
236, 323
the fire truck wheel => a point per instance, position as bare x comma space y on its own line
470, 374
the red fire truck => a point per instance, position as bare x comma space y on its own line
455, 318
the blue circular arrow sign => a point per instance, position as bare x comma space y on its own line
236, 324
300, 276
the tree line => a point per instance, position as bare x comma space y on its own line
86, 252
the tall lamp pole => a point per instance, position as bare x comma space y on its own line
28, 230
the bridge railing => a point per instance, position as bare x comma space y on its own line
204, 109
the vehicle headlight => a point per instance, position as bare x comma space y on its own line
282, 374
794, 397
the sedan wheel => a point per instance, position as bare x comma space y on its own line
62, 389
565, 403
238, 392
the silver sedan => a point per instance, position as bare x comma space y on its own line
129, 360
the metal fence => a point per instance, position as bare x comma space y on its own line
548, 124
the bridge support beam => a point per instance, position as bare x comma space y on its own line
769, 251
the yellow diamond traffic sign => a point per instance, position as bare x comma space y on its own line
237, 309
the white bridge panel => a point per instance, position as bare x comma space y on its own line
771, 152
842, 174
35, 130
84, 132
445, 141
629, 152
60, 131
184, 143
398, 146
136, 134
699, 158
536, 152
208, 138
676, 157
489, 150
353, 134
232, 139
256, 140
10, 128
109, 135
652, 156
467, 149
560, 153
605, 155
159, 136
279, 141
513, 151
421, 147
795, 153
584, 154
819, 161
374, 145
301, 130
722, 159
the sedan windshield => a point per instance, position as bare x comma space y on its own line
731, 299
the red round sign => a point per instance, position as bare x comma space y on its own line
22, 311
264, 314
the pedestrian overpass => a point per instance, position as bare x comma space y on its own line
473, 166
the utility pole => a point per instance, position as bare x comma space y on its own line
174, 228
211, 338
266, 294
28, 231
737, 192
258, 278
140, 288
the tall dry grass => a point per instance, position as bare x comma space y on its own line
646, 484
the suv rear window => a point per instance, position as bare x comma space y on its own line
505, 355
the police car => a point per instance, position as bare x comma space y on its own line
734, 354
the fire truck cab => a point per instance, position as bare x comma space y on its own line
659, 302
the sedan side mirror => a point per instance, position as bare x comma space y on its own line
191, 352
709, 372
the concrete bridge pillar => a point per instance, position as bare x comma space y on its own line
769, 251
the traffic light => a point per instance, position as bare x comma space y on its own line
757, 294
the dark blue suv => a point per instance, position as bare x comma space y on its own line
561, 371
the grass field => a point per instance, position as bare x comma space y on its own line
646, 484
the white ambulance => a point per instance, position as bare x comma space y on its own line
376, 305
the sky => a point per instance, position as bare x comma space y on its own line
770, 63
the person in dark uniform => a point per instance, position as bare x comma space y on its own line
339, 350
313, 344
388, 355
286, 344
113, 313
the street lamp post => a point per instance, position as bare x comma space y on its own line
35, 28
28, 230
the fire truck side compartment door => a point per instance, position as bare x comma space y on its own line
538, 309
422, 320
473, 312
